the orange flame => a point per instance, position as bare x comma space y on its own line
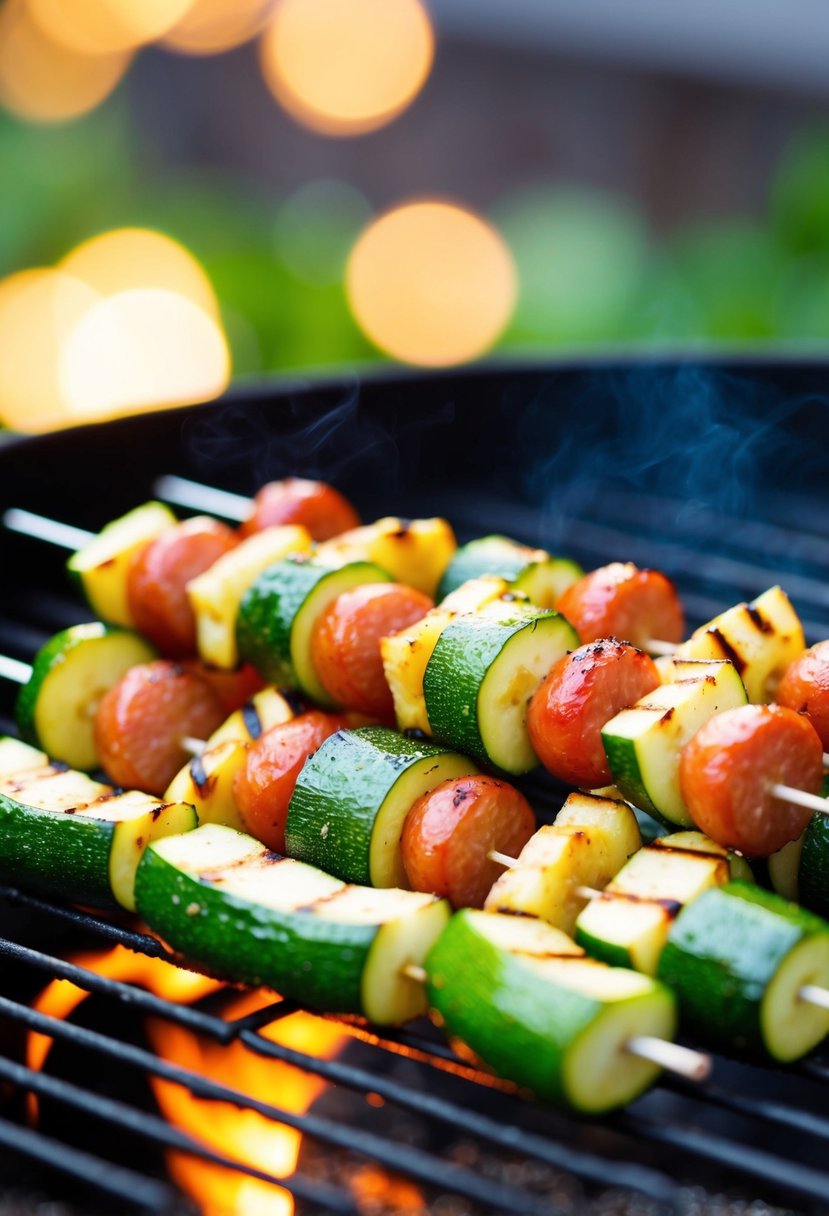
243, 1135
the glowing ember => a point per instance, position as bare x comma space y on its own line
345, 68
431, 283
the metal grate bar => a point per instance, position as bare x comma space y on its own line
507, 1136
399, 1158
142, 943
139, 998
790, 1176
778, 1113
125, 1185
151, 1127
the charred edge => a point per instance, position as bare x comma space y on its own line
331, 897
200, 778
734, 657
251, 719
758, 620
295, 702
663, 847
672, 907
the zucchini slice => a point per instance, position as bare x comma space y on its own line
588, 844
542, 578
71, 673
102, 565
251, 916
217, 594
481, 676
523, 997
800, 870
415, 551
206, 782
760, 639
278, 613
66, 835
266, 708
737, 958
643, 743
346, 814
629, 925
406, 654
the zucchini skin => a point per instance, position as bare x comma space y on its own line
722, 954
269, 610
455, 676
813, 873
56, 853
341, 790
259, 946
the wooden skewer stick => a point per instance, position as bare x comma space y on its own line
658, 647
684, 1061
502, 859
812, 802
692, 1065
197, 497
813, 994
50, 530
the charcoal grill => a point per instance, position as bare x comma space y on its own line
713, 472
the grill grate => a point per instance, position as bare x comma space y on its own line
758, 1128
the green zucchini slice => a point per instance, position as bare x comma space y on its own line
352, 796
248, 915
101, 566
480, 678
542, 578
71, 673
525, 999
737, 958
278, 613
643, 743
66, 835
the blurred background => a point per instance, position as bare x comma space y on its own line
200, 191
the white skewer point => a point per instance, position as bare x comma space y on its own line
693, 1065
657, 646
194, 746
196, 497
812, 802
413, 972
814, 995
502, 858
14, 670
51, 530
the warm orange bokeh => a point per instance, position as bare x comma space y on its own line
431, 283
346, 68
129, 258
43, 80
212, 26
39, 309
96, 27
140, 350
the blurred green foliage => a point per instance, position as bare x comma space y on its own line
590, 273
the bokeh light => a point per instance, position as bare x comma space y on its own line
343, 67
431, 283
139, 350
211, 26
98, 27
43, 80
129, 258
39, 310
